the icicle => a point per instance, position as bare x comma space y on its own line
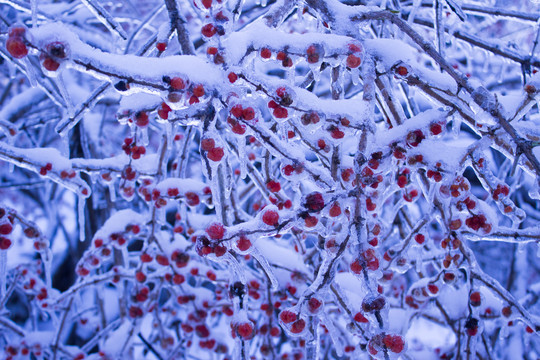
266, 266
169, 130
312, 345
534, 193
64, 145
412, 14
67, 123
235, 266
112, 191
456, 126
143, 132
321, 272
229, 183
125, 255
59, 81
3, 273
80, 207
241, 146
30, 71
46, 258
355, 76
34, 13
334, 335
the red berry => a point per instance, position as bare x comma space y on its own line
475, 299
353, 61
141, 119
211, 275
220, 250
232, 77
507, 311
402, 71
237, 111
202, 331
314, 305
50, 64
192, 199
208, 30
216, 231
82, 271
6, 229
288, 170
314, 202
16, 31
298, 326
216, 154
207, 3
161, 46
162, 260
146, 258
280, 112
273, 186
313, 54
198, 90
394, 343
335, 210
419, 238
356, 267
178, 83
402, 181
435, 129
311, 221
287, 316
243, 243
244, 330
355, 48
208, 144
248, 113
287, 62
5, 243
359, 317
370, 205
140, 276
336, 133
16, 47
266, 53
172, 192
271, 218
239, 129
